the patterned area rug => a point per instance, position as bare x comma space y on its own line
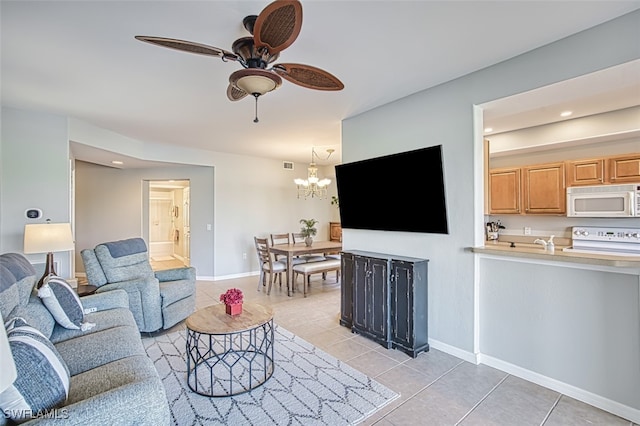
326, 391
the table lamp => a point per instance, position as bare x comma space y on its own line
9, 372
47, 238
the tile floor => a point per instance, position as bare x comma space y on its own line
436, 388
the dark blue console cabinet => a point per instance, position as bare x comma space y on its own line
384, 298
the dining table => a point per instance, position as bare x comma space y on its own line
291, 250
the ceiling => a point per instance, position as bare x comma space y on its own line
80, 59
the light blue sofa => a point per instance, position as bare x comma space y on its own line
112, 380
158, 300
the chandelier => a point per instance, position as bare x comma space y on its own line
312, 185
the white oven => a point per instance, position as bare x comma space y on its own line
604, 201
609, 241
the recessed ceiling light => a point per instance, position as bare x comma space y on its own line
488, 129
566, 113
118, 162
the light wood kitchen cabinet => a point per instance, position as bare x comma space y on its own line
504, 190
543, 189
335, 231
586, 172
624, 169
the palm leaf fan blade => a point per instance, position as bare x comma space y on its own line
308, 76
278, 25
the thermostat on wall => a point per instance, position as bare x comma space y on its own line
33, 213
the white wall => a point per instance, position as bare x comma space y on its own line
444, 115
581, 327
109, 206
249, 196
35, 174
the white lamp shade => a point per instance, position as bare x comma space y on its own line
9, 372
255, 81
47, 237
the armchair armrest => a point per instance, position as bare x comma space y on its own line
107, 300
185, 273
144, 300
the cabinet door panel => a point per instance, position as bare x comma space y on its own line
625, 169
402, 303
346, 288
360, 292
544, 188
585, 172
504, 190
378, 318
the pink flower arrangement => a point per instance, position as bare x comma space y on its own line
231, 297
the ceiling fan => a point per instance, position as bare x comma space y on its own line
275, 29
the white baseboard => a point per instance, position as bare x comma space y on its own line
590, 398
226, 277
452, 350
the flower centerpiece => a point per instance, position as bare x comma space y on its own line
308, 230
232, 300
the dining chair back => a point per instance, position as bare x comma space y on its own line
284, 239
268, 265
279, 239
297, 237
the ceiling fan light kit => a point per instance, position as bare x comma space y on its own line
273, 30
254, 81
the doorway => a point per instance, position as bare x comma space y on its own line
168, 223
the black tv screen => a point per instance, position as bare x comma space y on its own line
398, 192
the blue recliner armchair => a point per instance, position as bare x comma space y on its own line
157, 300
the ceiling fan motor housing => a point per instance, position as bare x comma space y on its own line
250, 56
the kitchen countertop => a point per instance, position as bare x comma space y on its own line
536, 251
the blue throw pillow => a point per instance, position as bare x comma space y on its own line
63, 303
43, 377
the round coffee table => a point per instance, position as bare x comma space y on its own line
229, 355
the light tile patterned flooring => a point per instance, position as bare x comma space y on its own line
436, 388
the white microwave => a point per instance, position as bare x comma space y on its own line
604, 201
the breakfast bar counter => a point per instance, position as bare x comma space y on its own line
524, 251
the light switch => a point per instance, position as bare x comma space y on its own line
208, 227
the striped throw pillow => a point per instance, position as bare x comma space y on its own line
63, 303
43, 377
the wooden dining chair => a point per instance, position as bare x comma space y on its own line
284, 239
268, 265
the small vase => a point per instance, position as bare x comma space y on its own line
235, 309
308, 241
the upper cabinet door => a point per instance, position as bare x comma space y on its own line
585, 172
544, 189
504, 190
624, 169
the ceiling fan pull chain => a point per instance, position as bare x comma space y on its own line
255, 120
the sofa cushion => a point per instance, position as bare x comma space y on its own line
104, 320
17, 278
63, 303
43, 377
9, 300
132, 395
92, 350
36, 315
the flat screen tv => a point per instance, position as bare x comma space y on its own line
398, 192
